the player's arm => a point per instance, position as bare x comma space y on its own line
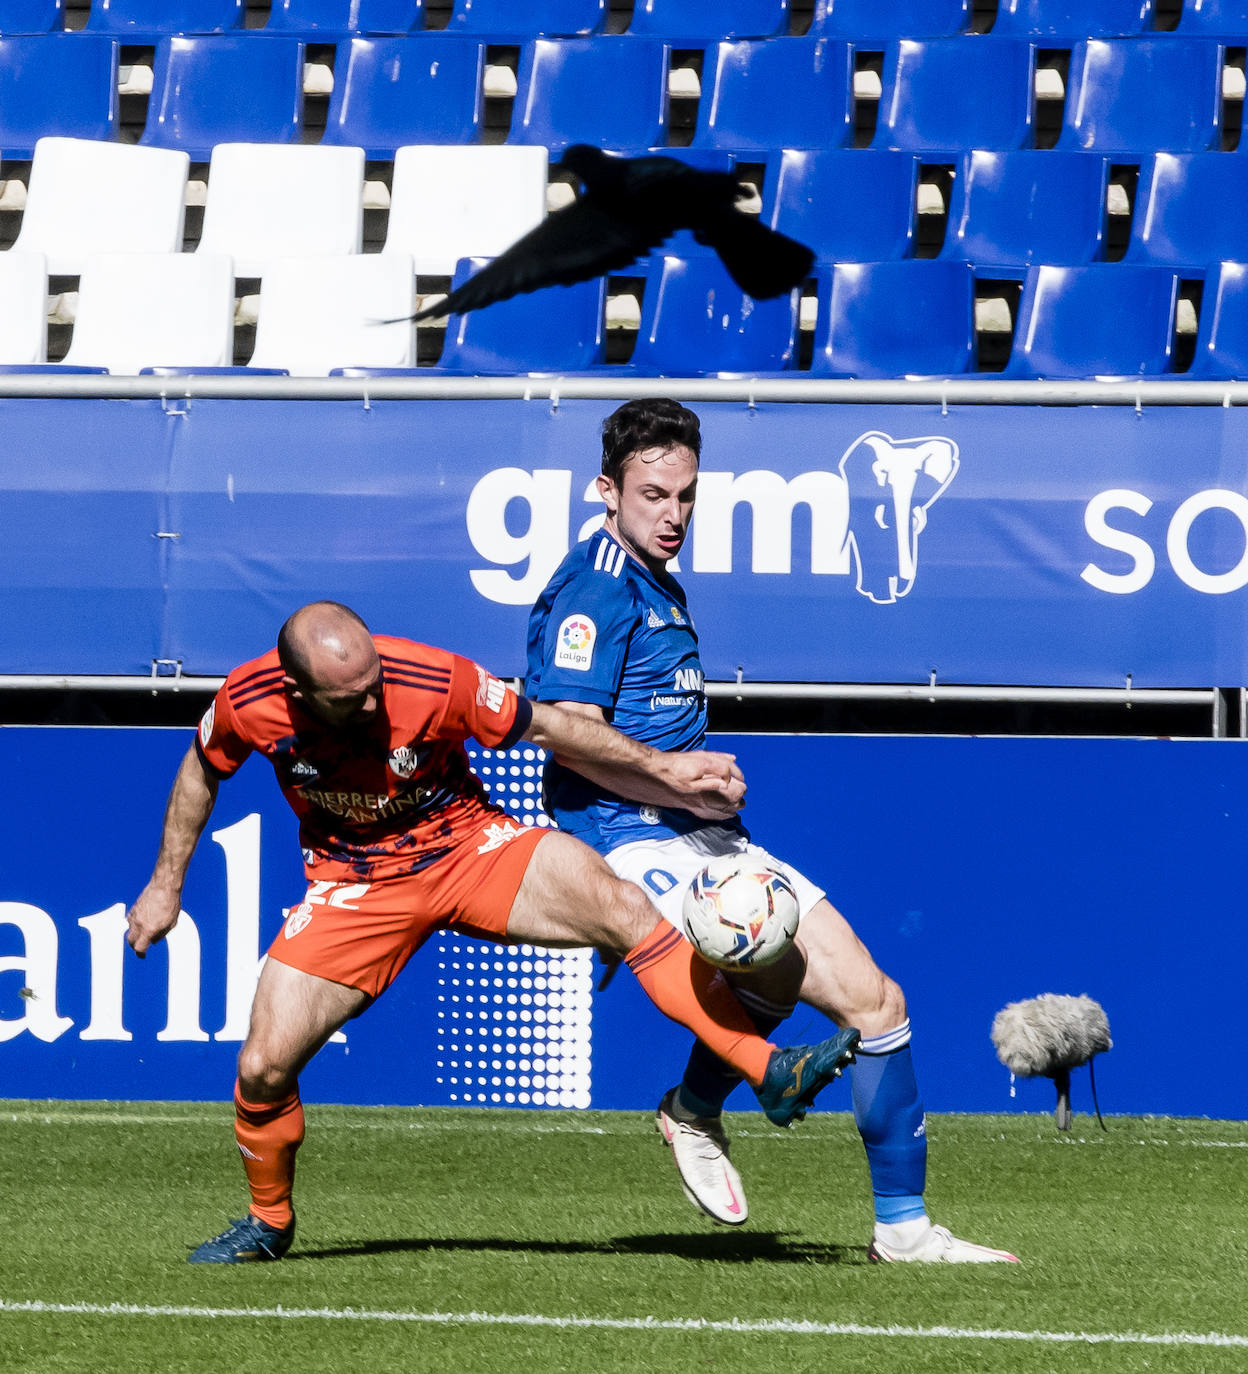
191, 800
708, 784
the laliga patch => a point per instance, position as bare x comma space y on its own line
205, 725
297, 920
574, 647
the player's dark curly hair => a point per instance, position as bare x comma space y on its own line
652, 422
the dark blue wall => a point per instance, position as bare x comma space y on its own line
979, 871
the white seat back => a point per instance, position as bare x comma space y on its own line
23, 308
273, 200
87, 196
139, 310
448, 203
320, 313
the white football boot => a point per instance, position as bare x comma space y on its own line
700, 1149
935, 1245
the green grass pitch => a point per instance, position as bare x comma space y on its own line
470, 1240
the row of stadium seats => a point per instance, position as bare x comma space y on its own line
1009, 210
269, 201
938, 97
266, 201
872, 320
687, 22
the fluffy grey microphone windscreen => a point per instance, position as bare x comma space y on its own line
1050, 1034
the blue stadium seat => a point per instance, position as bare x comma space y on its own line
140, 21
50, 369
870, 23
503, 21
1191, 210
56, 85
691, 23
1141, 95
207, 91
1224, 19
1105, 319
847, 205
950, 95
776, 93
421, 88
1061, 22
1222, 336
557, 329
696, 320
894, 319
31, 16
609, 91
327, 21
1008, 210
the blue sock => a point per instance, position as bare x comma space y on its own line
707, 1080
890, 1120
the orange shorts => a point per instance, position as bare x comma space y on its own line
362, 934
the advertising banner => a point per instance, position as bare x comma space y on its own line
1072, 546
980, 872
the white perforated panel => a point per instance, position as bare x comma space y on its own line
514, 1022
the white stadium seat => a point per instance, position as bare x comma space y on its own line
448, 203
317, 314
139, 310
87, 196
268, 201
23, 308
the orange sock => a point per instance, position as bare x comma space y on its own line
268, 1134
690, 991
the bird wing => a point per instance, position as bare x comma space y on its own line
577, 243
763, 262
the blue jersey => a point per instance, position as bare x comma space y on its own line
609, 632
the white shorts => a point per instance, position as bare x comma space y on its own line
663, 869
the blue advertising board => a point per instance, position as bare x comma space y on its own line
1074, 546
979, 871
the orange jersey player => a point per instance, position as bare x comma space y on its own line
366, 737
392, 793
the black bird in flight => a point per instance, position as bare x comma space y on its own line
629, 206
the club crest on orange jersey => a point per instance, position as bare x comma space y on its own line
297, 920
404, 761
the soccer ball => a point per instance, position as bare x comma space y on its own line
740, 913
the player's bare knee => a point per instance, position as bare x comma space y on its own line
261, 1078
630, 915
887, 1010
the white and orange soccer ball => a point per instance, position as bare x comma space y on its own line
741, 913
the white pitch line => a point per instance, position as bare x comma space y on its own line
627, 1125
690, 1324
321, 1123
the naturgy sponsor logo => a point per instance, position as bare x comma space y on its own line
865, 519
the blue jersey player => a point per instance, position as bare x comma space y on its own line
612, 636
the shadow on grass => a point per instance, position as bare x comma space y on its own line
751, 1247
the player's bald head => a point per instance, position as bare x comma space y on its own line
326, 646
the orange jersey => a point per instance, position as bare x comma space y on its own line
386, 797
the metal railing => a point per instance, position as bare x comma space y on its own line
751, 391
